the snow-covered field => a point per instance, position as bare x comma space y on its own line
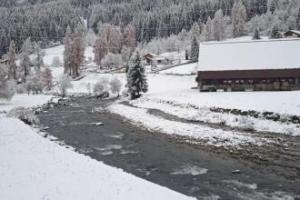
32, 167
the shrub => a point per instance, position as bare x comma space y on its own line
24, 114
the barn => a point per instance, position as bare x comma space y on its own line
260, 65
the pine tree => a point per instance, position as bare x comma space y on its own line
7, 87
272, 6
239, 16
39, 57
256, 35
12, 61
298, 20
275, 34
208, 30
195, 50
25, 62
219, 26
136, 77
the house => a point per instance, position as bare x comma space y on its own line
156, 60
292, 34
267, 65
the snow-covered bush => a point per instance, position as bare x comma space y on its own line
64, 84
7, 87
115, 85
56, 62
111, 61
24, 114
101, 86
34, 84
246, 123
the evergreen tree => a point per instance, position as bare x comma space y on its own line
195, 50
239, 17
39, 57
275, 34
12, 61
7, 89
136, 77
256, 35
25, 62
298, 20
219, 26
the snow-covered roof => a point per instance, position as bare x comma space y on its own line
249, 55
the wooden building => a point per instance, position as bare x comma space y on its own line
292, 34
267, 65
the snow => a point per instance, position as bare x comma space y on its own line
247, 55
186, 69
34, 168
212, 136
23, 100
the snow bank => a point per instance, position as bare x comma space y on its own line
34, 168
24, 101
212, 136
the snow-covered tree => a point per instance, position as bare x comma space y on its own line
64, 84
38, 62
207, 32
115, 85
12, 61
101, 86
25, 62
298, 20
34, 83
47, 78
7, 87
129, 37
90, 38
136, 77
77, 52
256, 35
195, 50
56, 62
111, 61
67, 51
275, 34
100, 50
219, 26
239, 17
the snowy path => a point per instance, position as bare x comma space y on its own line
168, 161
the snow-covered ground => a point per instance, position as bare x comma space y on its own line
24, 100
187, 69
32, 167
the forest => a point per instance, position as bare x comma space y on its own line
46, 21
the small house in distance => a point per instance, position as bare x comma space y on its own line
262, 65
292, 34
